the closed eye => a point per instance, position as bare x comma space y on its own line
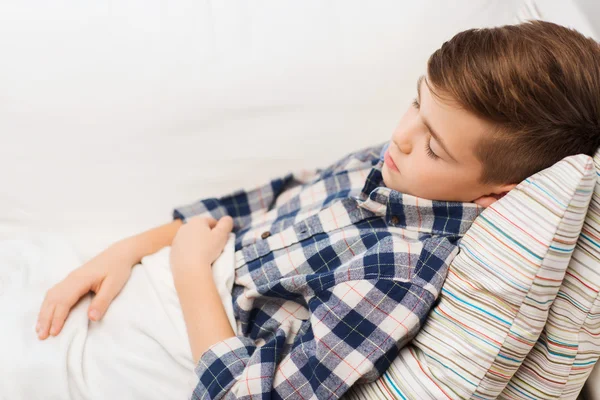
428, 148
429, 151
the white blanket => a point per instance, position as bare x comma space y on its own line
139, 350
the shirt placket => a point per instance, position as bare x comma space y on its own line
339, 215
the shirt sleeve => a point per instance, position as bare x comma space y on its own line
245, 205
354, 331
242, 205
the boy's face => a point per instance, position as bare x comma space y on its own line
433, 148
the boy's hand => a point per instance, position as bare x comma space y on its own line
198, 243
105, 274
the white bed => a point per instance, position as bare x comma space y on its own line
112, 113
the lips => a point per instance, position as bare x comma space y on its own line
390, 163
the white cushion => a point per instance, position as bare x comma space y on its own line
112, 112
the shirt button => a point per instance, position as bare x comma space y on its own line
394, 220
265, 234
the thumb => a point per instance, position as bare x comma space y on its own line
225, 224
108, 291
223, 228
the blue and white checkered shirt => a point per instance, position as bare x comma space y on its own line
335, 272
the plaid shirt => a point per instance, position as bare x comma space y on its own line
335, 272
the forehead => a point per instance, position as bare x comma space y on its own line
459, 129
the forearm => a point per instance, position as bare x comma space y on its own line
203, 310
150, 241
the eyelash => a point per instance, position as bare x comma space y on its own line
430, 152
428, 149
415, 103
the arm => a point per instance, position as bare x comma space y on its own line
245, 206
149, 242
242, 205
354, 331
195, 248
201, 289
335, 348
105, 274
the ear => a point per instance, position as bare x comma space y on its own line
496, 194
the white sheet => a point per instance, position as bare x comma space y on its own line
138, 350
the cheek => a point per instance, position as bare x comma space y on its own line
405, 121
450, 182
424, 169
435, 177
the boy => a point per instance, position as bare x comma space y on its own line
337, 269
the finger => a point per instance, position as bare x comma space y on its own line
60, 315
43, 315
45, 320
227, 222
224, 227
207, 221
108, 291
485, 201
79, 285
69, 292
212, 222
74, 287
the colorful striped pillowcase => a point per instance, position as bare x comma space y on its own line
564, 355
495, 300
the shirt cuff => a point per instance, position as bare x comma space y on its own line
206, 208
221, 365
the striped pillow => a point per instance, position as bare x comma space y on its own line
495, 300
564, 355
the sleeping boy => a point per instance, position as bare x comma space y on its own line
338, 268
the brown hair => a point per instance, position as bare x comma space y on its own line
537, 82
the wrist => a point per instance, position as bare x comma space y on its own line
191, 276
125, 249
135, 247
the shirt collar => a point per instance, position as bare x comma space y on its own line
407, 211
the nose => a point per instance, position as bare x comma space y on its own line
405, 147
406, 134
404, 142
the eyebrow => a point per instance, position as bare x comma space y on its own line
437, 137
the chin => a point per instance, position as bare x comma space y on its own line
384, 175
391, 185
